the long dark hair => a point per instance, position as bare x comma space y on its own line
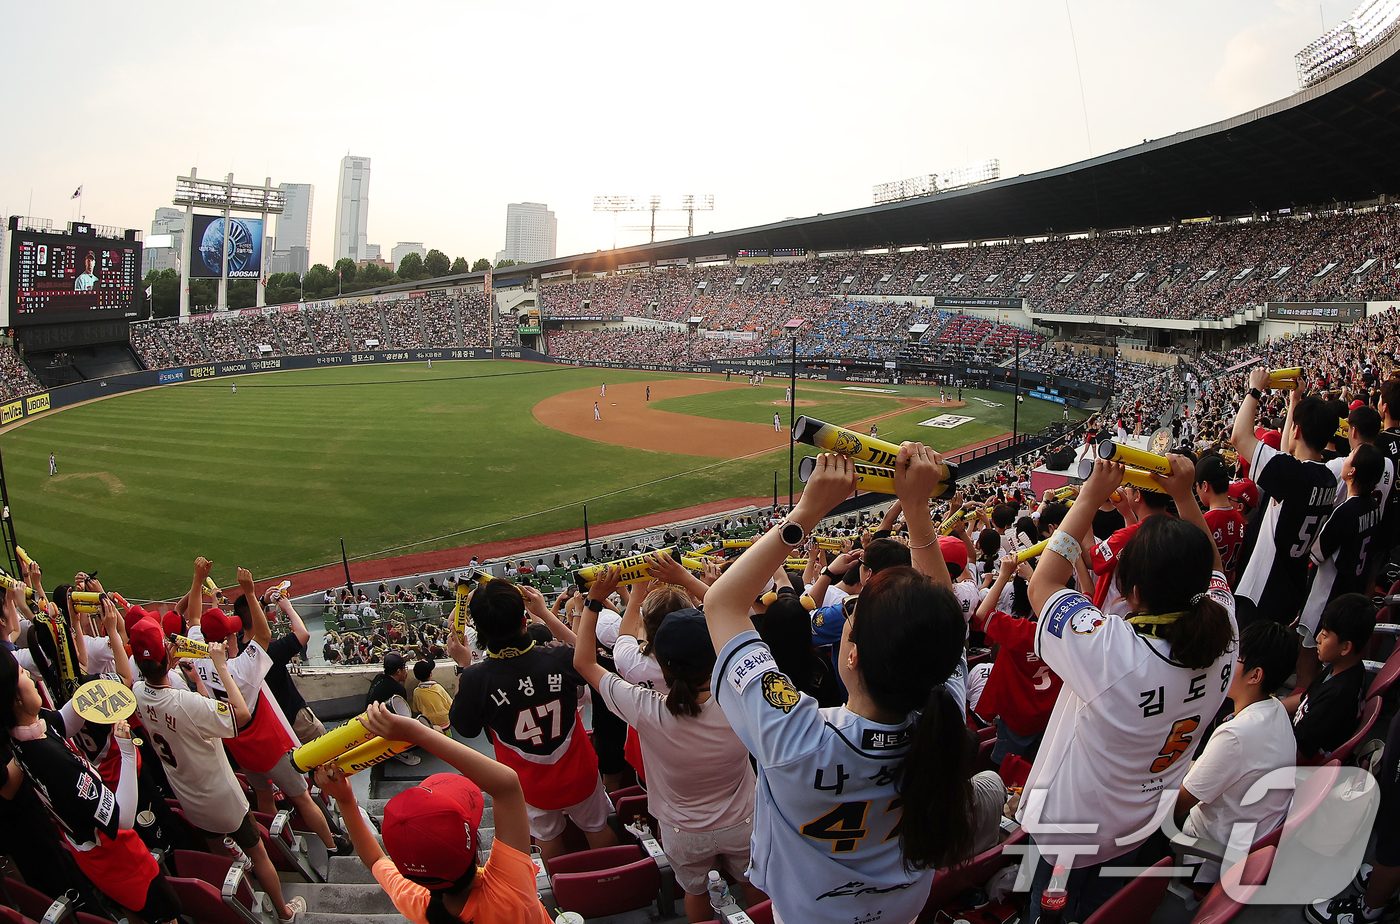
787, 631
437, 912
658, 603
1168, 562
909, 632
685, 687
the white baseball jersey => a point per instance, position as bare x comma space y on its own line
969, 598
1122, 731
186, 730
826, 815
249, 670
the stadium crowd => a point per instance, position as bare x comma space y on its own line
1139, 648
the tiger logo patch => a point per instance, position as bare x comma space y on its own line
779, 691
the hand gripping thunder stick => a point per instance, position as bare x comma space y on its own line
1286, 379
634, 568
878, 456
352, 746
1138, 463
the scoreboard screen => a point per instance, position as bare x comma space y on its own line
57, 278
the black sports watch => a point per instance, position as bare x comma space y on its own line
595, 605
1256, 394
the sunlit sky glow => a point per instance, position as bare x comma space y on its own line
779, 110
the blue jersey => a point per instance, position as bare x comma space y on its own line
826, 814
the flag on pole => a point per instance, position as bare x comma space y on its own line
77, 193
488, 284
148, 291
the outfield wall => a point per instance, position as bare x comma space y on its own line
1076, 394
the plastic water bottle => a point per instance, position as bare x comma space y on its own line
1053, 898
719, 892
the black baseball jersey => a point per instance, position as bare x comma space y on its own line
67, 783
1301, 499
528, 701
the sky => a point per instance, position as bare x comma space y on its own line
777, 110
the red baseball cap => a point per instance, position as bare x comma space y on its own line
1356, 404
1245, 491
1272, 438
135, 614
147, 640
173, 623
430, 830
217, 625
954, 551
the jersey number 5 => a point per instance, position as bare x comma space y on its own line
1178, 742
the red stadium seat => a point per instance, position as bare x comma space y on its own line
286, 849
9, 915
619, 794
28, 900
1385, 677
1251, 872
610, 880
762, 913
214, 889
949, 883
1137, 900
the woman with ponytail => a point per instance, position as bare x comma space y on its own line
700, 784
1140, 691
431, 834
858, 804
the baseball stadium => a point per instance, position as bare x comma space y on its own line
445, 599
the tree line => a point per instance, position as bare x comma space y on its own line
320, 282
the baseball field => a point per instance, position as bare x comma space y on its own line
401, 458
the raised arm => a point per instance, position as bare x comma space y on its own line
917, 471
298, 626
194, 601
259, 631
989, 601
1242, 435
730, 597
534, 605
586, 647
112, 622
1054, 569
669, 571
241, 714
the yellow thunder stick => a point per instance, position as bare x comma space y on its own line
1137, 458
736, 543
459, 612
950, 524
874, 478
1343, 428
863, 448
8, 582
1286, 379
1032, 552
828, 543
634, 568
332, 744
1062, 493
1141, 480
374, 751
795, 564
24, 558
188, 647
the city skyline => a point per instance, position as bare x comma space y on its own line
765, 117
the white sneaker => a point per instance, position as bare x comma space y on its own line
297, 906
409, 758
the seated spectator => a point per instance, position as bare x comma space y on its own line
1325, 714
430, 699
1247, 746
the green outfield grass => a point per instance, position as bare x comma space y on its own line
384, 456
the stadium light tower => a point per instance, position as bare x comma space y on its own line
689, 203
226, 196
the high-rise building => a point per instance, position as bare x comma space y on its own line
530, 233
162, 250
372, 252
403, 249
291, 251
352, 209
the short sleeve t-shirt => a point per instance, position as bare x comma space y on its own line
502, 893
635, 667
699, 777
1241, 751
1123, 728
268, 735
1327, 714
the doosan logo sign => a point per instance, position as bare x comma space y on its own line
172, 375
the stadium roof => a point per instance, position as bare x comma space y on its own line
1336, 142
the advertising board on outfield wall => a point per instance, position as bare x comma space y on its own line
66, 395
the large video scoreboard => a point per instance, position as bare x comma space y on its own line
59, 278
